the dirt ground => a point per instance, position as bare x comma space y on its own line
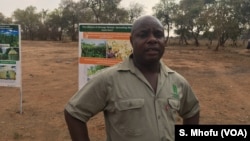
220, 79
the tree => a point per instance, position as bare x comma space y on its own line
242, 12
2, 18
29, 21
196, 22
43, 26
134, 11
70, 18
107, 11
166, 11
85, 12
97, 8
181, 24
55, 25
224, 22
120, 16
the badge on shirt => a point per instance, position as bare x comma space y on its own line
175, 92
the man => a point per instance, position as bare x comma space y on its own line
110, 53
140, 97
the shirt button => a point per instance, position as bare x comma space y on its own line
159, 117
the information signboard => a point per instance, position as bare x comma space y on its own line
100, 46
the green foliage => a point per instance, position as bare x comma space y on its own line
134, 11
29, 21
91, 50
13, 40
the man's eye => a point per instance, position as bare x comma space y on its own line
158, 34
143, 34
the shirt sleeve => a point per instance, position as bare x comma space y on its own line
189, 102
89, 100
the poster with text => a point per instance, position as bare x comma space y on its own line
101, 46
10, 55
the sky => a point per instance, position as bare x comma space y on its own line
7, 7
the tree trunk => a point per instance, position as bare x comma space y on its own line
196, 42
218, 44
186, 42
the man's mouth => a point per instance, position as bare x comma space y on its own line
152, 51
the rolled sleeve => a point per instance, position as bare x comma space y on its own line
190, 103
88, 101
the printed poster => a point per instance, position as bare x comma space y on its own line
10, 55
101, 46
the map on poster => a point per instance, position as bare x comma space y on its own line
10, 55
101, 46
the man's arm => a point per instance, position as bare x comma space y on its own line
192, 120
77, 129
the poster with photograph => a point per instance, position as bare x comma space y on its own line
10, 58
101, 46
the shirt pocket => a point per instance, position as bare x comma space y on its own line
124, 105
130, 117
169, 108
174, 108
174, 104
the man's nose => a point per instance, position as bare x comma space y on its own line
152, 39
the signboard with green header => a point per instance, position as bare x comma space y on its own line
101, 46
10, 56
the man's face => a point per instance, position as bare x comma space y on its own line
148, 42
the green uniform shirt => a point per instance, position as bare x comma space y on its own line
132, 110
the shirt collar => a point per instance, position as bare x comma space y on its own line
128, 65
